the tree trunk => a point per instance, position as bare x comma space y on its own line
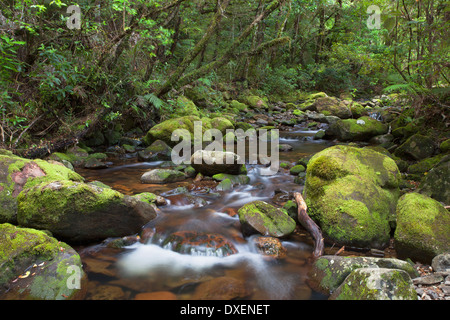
225, 58
198, 48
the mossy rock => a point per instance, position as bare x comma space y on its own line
352, 193
416, 147
162, 176
445, 146
425, 165
163, 131
261, 217
157, 151
332, 106
362, 129
436, 184
256, 102
186, 107
17, 173
238, 105
35, 266
235, 179
78, 212
329, 272
295, 170
376, 284
423, 227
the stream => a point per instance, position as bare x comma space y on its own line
150, 266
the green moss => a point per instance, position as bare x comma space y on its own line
423, 227
238, 105
50, 202
445, 146
295, 170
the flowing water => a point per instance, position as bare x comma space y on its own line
150, 265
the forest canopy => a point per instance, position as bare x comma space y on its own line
70, 67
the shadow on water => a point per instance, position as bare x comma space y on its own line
151, 264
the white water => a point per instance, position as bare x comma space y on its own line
144, 260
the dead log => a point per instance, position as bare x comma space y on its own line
309, 225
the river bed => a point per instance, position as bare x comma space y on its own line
151, 269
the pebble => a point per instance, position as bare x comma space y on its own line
432, 285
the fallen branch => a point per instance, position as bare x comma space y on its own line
309, 225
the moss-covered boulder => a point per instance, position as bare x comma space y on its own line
186, 107
163, 131
17, 173
78, 212
255, 102
423, 227
238, 105
332, 106
161, 176
376, 284
35, 266
416, 147
157, 151
445, 146
436, 183
261, 217
352, 194
425, 165
329, 272
362, 129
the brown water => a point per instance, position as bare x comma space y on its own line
151, 269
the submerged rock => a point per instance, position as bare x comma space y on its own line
35, 266
261, 217
81, 213
352, 194
199, 243
423, 227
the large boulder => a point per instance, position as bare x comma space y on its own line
210, 163
331, 106
362, 129
261, 217
423, 227
163, 131
376, 284
17, 173
35, 266
78, 212
329, 272
352, 194
436, 183
416, 147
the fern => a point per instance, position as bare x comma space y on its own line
410, 87
151, 99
